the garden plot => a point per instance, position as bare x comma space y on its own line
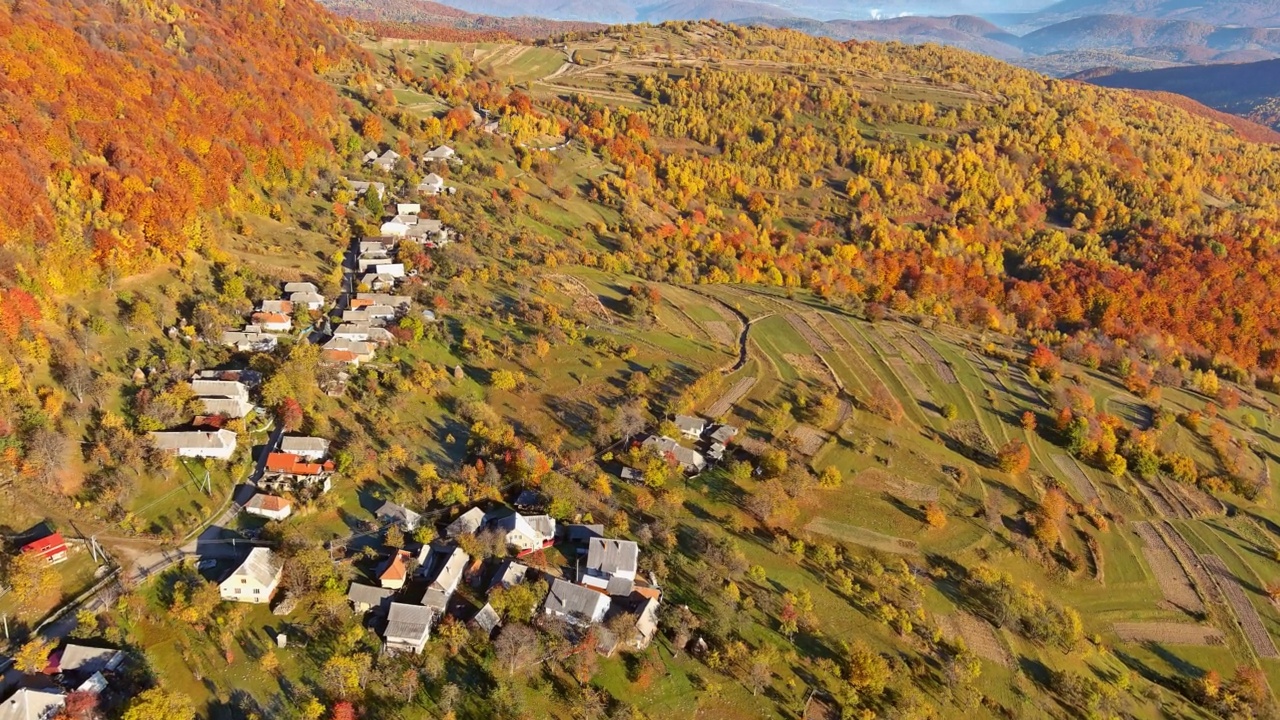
898, 487
1174, 583
813, 367
1192, 563
1163, 506
731, 397
721, 333
978, 636
1075, 475
861, 536
935, 360
1199, 502
1169, 633
1250, 622
809, 440
902, 341
806, 331
912, 381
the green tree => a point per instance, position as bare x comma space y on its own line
157, 704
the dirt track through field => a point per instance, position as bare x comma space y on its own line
862, 536
1250, 622
1192, 562
898, 487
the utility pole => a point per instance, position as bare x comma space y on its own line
5, 619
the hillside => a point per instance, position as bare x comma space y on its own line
676, 371
397, 18
623, 11
1249, 90
1142, 36
1248, 13
129, 124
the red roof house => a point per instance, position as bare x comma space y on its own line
53, 548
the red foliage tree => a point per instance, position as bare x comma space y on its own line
290, 414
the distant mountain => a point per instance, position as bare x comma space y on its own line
1062, 64
963, 31
1252, 13
1174, 40
618, 11
386, 13
1251, 90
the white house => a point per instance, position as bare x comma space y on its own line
310, 299
255, 579
311, 448
352, 352
432, 184
408, 627
690, 426
271, 507
394, 228
439, 154
527, 532
446, 580
223, 397
30, 704
385, 162
361, 332
219, 445
377, 282
575, 603
395, 270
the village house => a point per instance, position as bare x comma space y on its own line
527, 532
432, 184
53, 548
248, 378
689, 461
510, 573
408, 627
395, 573
394, 513
311, 448
223, 397
386, 162
30, 704
250, 339
365, 299
395, 270
468, 522
360, 187
446, 579
352, 352
690, 426
371, 243
408, 208
367, 263
611, 565
309, 299
271, 507
300, 286
286, 471
429, 233
364, 598
394, 228
218, 444
362, 332
377, 281
575, 603
443, 153
82, 661
284, 307
487, 619
273, 321
256, 578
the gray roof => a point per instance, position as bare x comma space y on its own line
300, 287
231, 407
181, 439
409, 621
468, 522
28, 704
219, 389
488, 618
398, 513
511, 573
724, 433
451, 571
691, 424
261, 565
686, 457
371, 595
304, 445
544, 525
620, 587
435, 599
611, 557
89, 660
577, 601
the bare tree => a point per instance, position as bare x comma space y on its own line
516, 646
74, 375
628, 422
